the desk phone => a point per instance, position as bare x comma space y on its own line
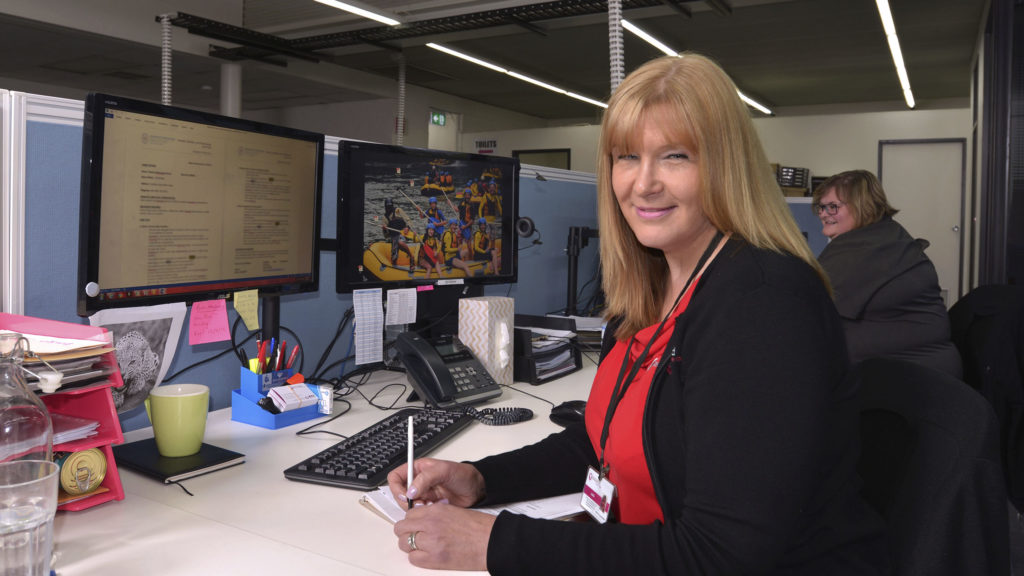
444, 372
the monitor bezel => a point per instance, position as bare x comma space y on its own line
352, 206
91, 194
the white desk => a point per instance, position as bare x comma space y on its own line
250, 520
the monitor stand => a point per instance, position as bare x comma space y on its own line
437, 310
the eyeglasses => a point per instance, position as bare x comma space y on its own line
832, 208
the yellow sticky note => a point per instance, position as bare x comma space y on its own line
246, 304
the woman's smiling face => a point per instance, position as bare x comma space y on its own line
841, 221
657, 187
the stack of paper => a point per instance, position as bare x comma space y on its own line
70, 428
552, 351
54, 348
566, 506
79, 361
589, 331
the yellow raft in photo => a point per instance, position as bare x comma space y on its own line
377, 261
434, 189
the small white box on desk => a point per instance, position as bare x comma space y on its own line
485, 327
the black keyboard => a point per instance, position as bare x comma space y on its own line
363, 461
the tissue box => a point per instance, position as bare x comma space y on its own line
485, 327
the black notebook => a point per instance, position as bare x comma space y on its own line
143, 457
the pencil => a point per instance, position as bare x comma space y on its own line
408, 482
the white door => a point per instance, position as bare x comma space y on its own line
924, 180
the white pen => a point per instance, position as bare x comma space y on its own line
408, 483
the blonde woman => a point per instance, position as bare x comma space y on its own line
719, 412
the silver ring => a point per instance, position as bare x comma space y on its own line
412, 540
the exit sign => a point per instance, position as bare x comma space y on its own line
437, 118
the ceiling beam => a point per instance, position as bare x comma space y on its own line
720, 6
528, 26
239, 35
678, 7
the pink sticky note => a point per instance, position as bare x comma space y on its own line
208, 322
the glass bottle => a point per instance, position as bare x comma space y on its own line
26, 432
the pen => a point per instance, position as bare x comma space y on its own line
279, 361
260, 352
408, 482
291, 358
268, 358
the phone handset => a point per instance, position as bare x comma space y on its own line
427, 372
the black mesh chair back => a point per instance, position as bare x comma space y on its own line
930, 466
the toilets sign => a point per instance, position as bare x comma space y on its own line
485, 146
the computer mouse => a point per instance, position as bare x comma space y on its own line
568, 412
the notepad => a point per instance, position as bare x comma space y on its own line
567, 506
143, 457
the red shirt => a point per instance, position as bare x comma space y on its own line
635, 502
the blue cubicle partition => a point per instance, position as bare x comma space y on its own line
52, 181
554, 206
809, 223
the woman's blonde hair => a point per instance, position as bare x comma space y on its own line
862, 193
695, 104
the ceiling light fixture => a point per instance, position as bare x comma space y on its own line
360, 11
894, 46
668, 51
513, 73
753, 103
648, 38
467, 57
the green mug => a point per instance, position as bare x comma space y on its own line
178, 415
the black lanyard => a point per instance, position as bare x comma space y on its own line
622, 383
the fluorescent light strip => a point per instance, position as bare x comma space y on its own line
535, 82
467, 57
513, 73
648, 38
585, 99
360, 12
894, 46
668, 51
753, 103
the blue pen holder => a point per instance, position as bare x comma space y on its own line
254, 387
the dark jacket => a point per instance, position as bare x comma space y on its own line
988, 328
751, 437
887, 293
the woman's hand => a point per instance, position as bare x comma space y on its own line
438, 480
442, 536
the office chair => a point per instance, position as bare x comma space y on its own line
930, 466
988, 328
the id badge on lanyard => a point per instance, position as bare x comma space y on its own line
598, 494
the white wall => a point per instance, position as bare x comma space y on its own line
581, 140
371, 120
836, 142
445, 137
824, 143
374, 120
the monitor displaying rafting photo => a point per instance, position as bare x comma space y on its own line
414, 216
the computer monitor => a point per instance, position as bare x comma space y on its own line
181, 205
414, 217
388, 199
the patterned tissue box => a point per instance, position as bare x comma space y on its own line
485, 327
